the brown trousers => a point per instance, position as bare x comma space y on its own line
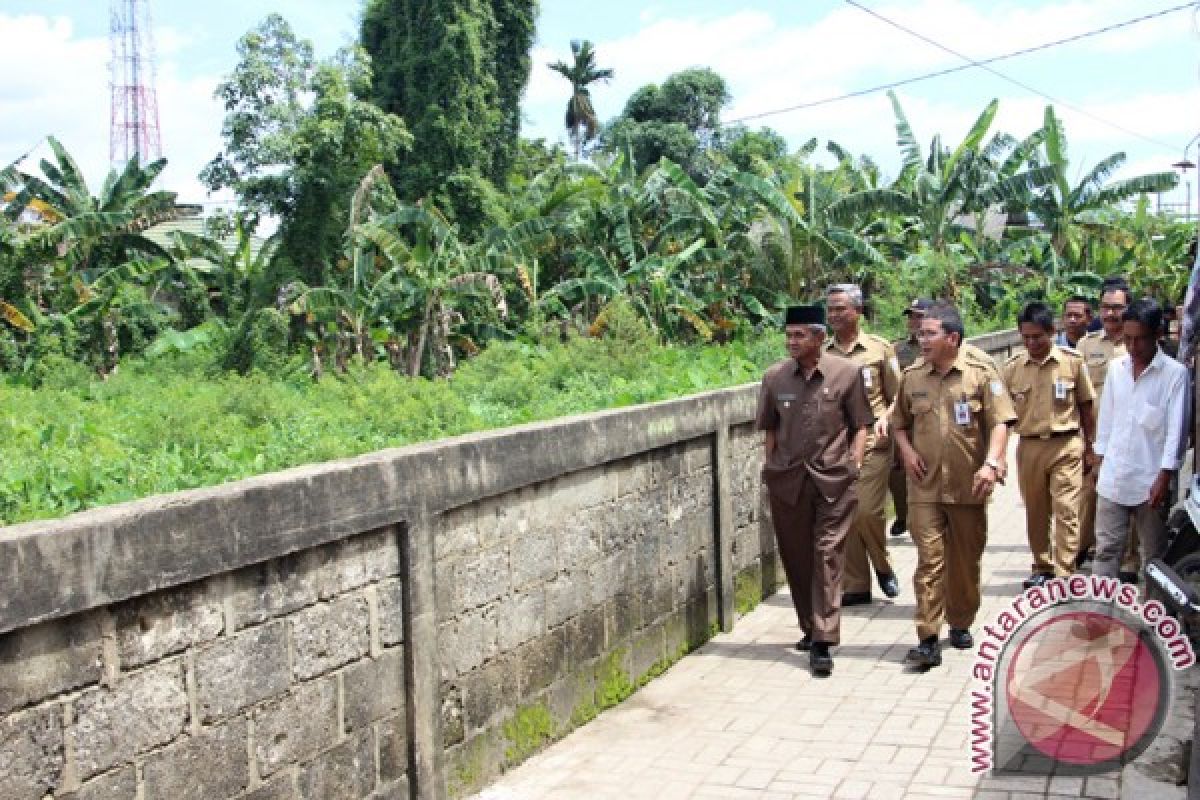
866, 546
950, 538
1050, 476
812, 543
898, 486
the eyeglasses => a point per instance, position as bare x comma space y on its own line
1112, 307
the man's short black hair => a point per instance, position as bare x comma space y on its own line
1146, 311
1037, 313
1116, 283
948, 316
1078, 298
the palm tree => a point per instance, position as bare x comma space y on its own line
581, 122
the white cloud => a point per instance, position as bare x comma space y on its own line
61, 83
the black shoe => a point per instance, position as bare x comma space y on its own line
856, 599
898, 527
925, 655
961, 639
1081, 559
888, 584
1037, 579
1128, 577
820, 660
805, 644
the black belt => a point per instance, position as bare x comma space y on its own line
1054, 435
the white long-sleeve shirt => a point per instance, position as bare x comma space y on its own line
1140, 430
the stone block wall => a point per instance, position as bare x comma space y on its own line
558, 599
283, 679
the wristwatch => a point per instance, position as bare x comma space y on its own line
994, 464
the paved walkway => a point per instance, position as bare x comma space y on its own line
742, 717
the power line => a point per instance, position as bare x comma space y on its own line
1014, 81
976, 64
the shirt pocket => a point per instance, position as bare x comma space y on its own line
924, 417
829, 409
1149, 416
1021, 393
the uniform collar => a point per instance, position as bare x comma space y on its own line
960, 363
798, 370
832, 344
1055, 355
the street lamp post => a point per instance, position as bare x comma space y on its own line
1183, 166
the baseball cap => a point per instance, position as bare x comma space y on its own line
921, 304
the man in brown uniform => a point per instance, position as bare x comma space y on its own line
814, 410
951, 425
1053, 397
866, 547
1099, 348
908, 350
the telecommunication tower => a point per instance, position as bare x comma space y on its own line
134, 129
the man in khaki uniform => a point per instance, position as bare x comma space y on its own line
1099, 349
814, 410
866, 547
1053, 398
908, 350
951, 425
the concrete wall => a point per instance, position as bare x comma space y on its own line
407, 623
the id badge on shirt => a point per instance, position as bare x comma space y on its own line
867, 381
1060, 389
962, 413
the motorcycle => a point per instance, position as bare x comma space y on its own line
1174, 579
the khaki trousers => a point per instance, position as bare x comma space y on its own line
1113, 523
812, 543
866, 546
950, 538
1050, 476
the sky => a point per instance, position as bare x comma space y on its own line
1135, 89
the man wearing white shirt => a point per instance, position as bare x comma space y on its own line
1140, 440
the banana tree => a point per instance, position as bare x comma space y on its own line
801, 232
939, 196
93, 233
1063, 209
431, 269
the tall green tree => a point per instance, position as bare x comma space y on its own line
581, 122
299, 135
454, 71
673, 121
